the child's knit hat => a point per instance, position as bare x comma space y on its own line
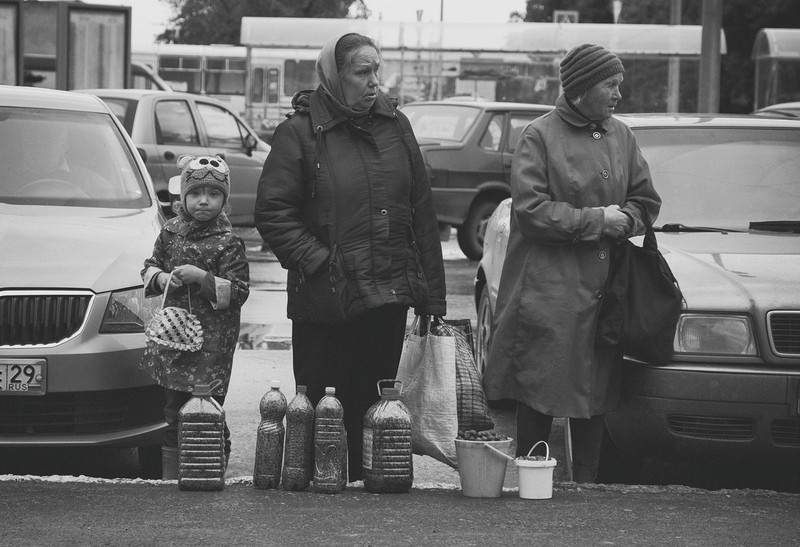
199, 171
587, 65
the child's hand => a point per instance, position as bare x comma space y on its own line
161, 281
189, 274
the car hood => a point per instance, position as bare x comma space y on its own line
719, 271
74, 248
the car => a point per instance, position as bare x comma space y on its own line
789, 110
467, 149
729, 228
78, 217
167, 124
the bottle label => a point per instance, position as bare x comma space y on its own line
367, 452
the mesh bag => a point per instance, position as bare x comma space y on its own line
175, 328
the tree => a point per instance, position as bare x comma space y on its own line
219, 21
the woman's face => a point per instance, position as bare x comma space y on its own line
601, 99
359, 79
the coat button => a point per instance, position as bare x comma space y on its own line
601, 255
384, 212
605, 174
598, 295
596, 135
392, 291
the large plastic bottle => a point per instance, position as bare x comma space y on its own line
201, 442
269, 438
298, 458
387, 458
329, 444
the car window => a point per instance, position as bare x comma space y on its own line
175, 123
123, 109
445, 122
491, 137
222, 128
67, 158
724, 177
517, 122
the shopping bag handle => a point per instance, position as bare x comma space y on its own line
166, 290
396, 383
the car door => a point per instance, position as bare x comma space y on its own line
516, 123
177, 133
226, 135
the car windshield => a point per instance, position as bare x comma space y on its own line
724, 177
441, 122
62, 158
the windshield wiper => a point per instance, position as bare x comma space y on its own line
791, 226
678, 227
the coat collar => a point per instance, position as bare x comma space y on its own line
181, 226
324, 114
570, 114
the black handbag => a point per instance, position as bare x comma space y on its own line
642, 302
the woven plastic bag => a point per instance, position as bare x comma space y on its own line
174, 327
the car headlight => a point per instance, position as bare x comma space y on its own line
128, 311
715, 334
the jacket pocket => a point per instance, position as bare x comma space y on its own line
415, 277
319, 298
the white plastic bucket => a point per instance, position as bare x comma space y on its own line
536, 476
482, 471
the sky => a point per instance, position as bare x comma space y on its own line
149, 17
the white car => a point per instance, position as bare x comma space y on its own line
78, 217
730, 230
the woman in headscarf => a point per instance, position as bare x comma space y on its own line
345, 204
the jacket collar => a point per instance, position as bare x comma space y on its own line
572, 116
181, 226
324, 114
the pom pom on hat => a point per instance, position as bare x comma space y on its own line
585, 66
199, 171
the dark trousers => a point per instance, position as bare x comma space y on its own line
351, 357
587, 436
175, 401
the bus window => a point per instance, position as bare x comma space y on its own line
273, 79
299, 75
257, 85
222, 128
225, 76
175, 124
182, 73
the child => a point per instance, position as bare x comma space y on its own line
200, 249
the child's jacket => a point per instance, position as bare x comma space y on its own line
217, 302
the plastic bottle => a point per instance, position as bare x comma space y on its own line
269, 438
329, 444
201, 442
387, 457
298, 459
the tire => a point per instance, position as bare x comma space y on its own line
484, 327
150, 461
472, 232
616, 466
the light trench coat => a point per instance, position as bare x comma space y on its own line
543, 348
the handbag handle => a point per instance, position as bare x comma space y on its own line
166, 290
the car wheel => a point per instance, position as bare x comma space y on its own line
150, 461
484, 327
472, 232
616, 466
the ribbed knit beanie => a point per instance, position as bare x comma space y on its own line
199, 171
585, 66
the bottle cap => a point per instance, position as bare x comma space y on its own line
302, 389
330, 391
275, 384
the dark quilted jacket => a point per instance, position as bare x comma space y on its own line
348, 212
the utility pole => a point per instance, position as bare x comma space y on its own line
708, 92
674, 75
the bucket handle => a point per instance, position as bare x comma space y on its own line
397, 384
493, 449
547, 446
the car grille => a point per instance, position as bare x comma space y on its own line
784, 332
786, 432
40, 319
81, 413
712, 427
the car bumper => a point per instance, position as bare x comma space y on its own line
679, 413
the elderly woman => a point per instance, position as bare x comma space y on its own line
345, 204
579, 184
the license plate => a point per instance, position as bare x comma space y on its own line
23, 377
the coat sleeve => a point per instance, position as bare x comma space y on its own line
230, 286
642, 202
426, 228
535, 212
153, 266
279, 203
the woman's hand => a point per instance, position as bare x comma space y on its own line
616, 224
189, 274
